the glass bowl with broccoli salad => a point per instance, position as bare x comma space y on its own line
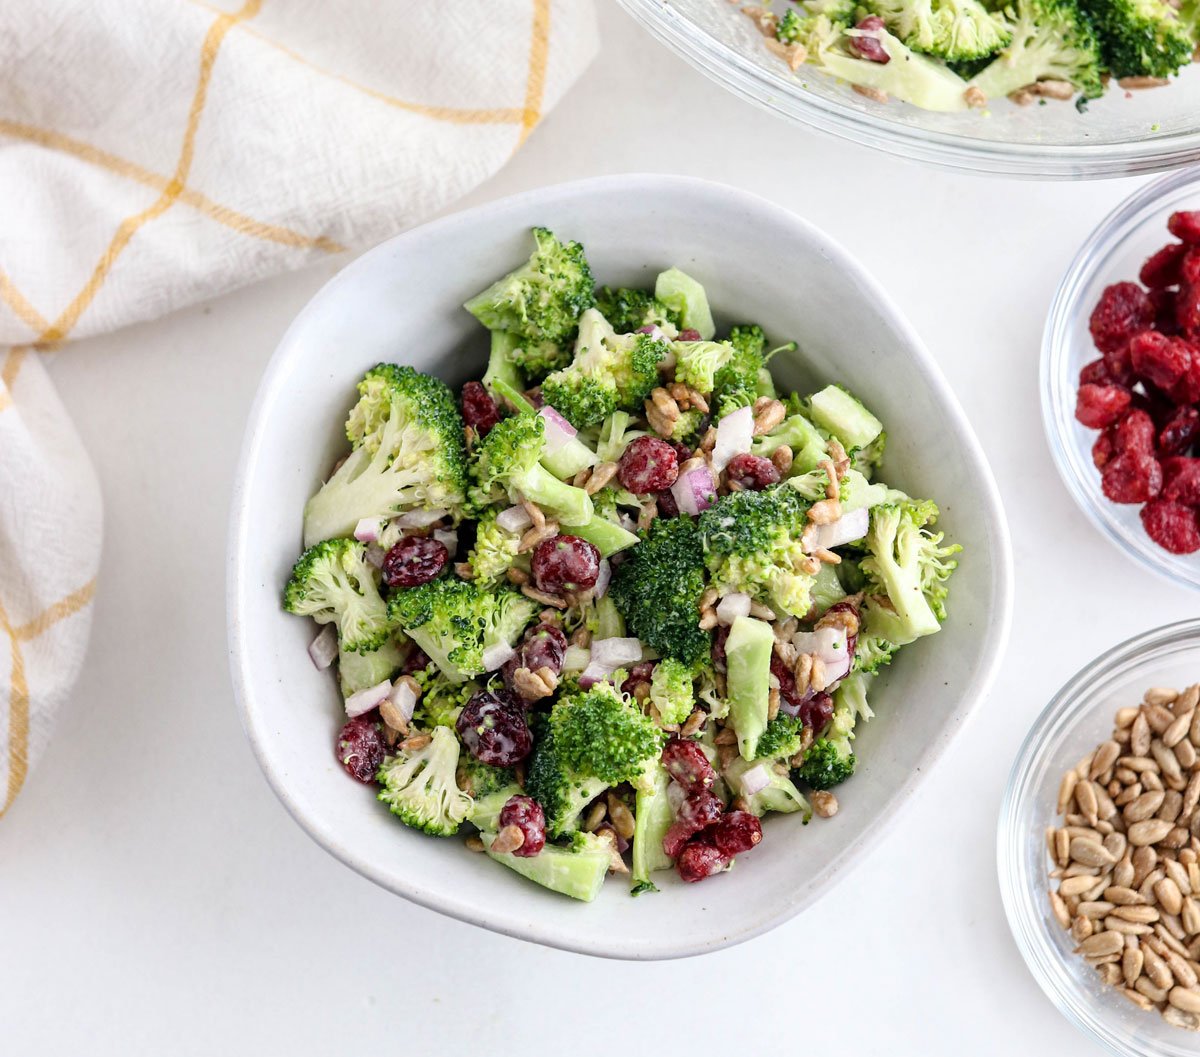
603, 609
1022, 87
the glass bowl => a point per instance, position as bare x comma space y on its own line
1118, 136
1078, 719
1114, 252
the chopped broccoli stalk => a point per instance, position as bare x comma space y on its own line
456, 621
562, 793
906, 568
867, 460
502, 366
333, 583
629, 310
826, 588
839, 413
799, 434
908, 75
601, 733
697, 363
506, 466
603, 620
494, 551
485, 814
361, 671
825, 765
606, 536
748, 651
577, 871
954, 30
684, 295
420, 789
1140, 38
652, 817
671, 690
441, 699
569, 458
780, 794
543, 299
616, 436
413, 457
856, 492
1052, 40
658, 587
780, 739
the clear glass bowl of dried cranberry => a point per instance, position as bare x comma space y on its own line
1121, 377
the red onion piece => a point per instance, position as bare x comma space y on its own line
403, 697
495, 656
375, 555
592, 674
827, 643
847, 529
694, 491
368, 529
515, 519
420, 518
733, 605
837, 670
755, 780
603, 578
448, 538
558, 430
735, 433
616, 653
365, 700
324, 647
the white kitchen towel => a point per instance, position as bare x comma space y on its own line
156, 152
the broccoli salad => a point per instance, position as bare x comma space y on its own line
607, 607
952, 55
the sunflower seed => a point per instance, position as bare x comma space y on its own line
1179, 1018
1110, 973
1059, 909
1091, 852
1184, 998
1081, 928
1085, 797
1126, 928
1066, 791
1123, 873
1177, 731
1144, 806
1096, 909
1101, 944
1140, 913
1156, 967
1145, 987
1168, 895
1171, 805
1178, 873
1190, 917
1137, 998
1104, 758
1151, 831
1184, 974
1185, 753
1125, 717
1139, 736
1166, 760
1131, 965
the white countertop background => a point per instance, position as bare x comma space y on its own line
156, 898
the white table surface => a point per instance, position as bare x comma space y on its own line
154, 896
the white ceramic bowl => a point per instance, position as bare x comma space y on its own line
401, 302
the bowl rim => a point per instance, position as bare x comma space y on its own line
1029, 931
1057, 416
729, 68
240, 577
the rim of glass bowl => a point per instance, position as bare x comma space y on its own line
1029, 928
729, 68
1058, 403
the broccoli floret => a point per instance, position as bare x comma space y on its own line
359, 671
809, 446
627, 310
658, 587
955, 30
562, 794
780, 794
780, 739
830, 759
410, 453
906, 569
601, 733
495, 550
479, 780
1052, 40
698, 362
542, 300
615, 436
1140, 38
867, 460
671, 690
825, 765
333, 583
609, 371
751, 542
420, 789
441, 699
506, 466
736, 383
455, 621
687, 425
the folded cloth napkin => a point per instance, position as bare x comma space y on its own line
154, 153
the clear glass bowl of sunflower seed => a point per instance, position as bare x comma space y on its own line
1098, 859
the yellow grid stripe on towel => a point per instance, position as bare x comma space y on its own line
21, 306
535, 84
9, 371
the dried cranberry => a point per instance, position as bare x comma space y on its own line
416, 661
682, 450
1132, 477
1159, 359
648, 464
1181, 480
415, 560
565, 563
1135, 432
786, 680
492, 727
1180, 433
1185, 225
1124, 309
688, 334
752, 473
1120, 364
718, 647
1097, 406
667, 507
479, 410
686, 763
1162, 268
1104, 449
360, 748
639, 673
1097, 373
869, 48
1187, 389
526, 814
1172, 526
1165, 321
1187, 310
738, 831
544, 646
1189, 268
698, 860
817, 711
696, 813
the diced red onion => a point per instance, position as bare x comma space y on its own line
592, 674
626, 522
839, 669
694, 491
733, 605
375, 555
676, 795
735, 433
616, 653
827, 643
576, 658
755, 780
420, 518
365, 700
603, 578
515, 519
654, 330
368, 529
558, 430
494, 656
324, 647
847, 529
448, 538
404, 698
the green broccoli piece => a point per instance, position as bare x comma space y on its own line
577, 871
506, 467
736, 383
543, 299
485, 813
410, 453
1051, 40
441, 699
333, 583
683, 295
360, 671
671, 690
628, 310
697, 363
954, 30
419, 787
809, 446
615, 436
658, 587
494, 551
780, 739
609, 371
603, 620
1140, 38
780, 793
652, 817
456, 621
825, 765
562, 794
479, 780
827, 589
601, 733
751, 542
687, 425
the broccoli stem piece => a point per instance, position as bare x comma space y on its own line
606, 536
652, 817
748, 661
577, 872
